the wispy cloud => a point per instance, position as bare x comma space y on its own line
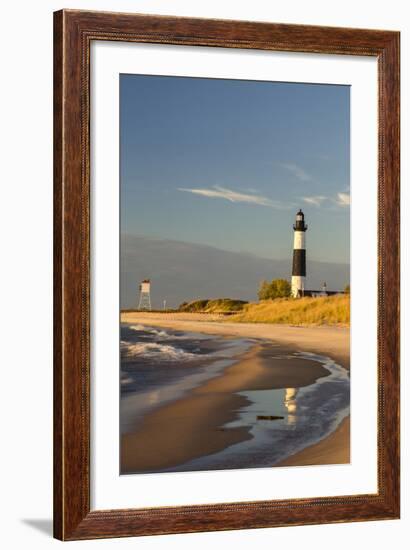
315, 200
217, 192
298, 172
343, 199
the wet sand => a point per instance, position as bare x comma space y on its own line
334, 449
326, 340
190, 427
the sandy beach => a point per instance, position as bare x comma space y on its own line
191, 426
334, 449
331, 341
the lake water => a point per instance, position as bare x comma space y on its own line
159, 366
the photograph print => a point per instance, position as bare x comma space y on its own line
235, 274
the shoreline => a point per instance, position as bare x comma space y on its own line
191, 426
329, 450
333, 341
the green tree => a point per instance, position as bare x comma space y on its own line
277, 288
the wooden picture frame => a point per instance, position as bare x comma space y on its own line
74, 32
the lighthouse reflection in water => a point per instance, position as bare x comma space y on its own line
291, 404
297, 417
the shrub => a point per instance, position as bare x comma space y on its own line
277, 288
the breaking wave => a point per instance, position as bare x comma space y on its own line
161, 334
154, 351
150, 330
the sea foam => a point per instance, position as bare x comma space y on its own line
154, 351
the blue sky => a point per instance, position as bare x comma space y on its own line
228, 163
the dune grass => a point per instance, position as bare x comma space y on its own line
333, 310
219, 305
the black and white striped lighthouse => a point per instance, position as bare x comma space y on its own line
299, 256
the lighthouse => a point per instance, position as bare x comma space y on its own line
299, 256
